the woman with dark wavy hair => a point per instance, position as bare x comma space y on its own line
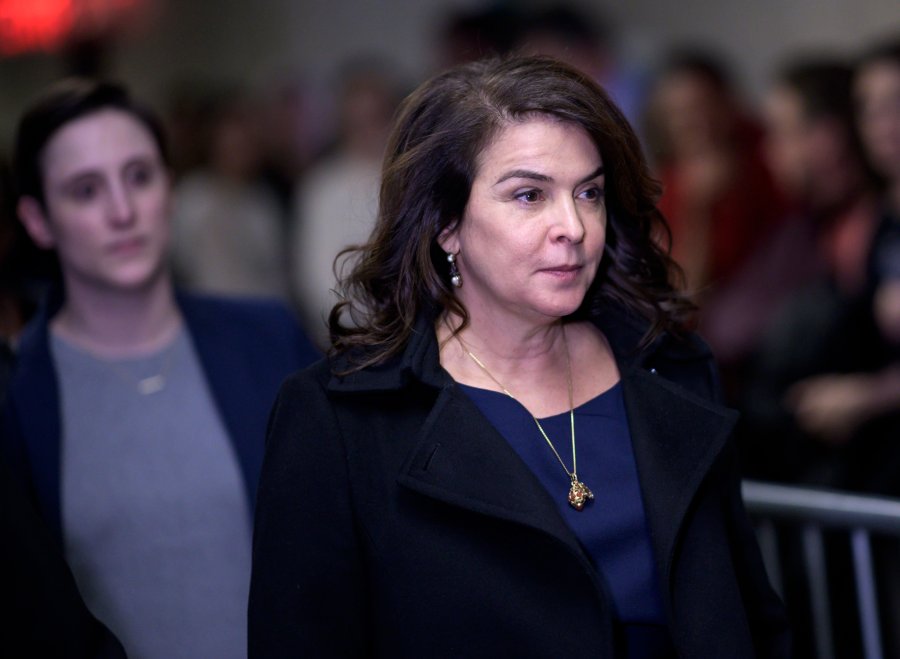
515, 446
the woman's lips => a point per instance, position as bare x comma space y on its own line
563, 271
126, 246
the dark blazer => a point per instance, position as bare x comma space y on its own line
246, 348
394, 521
44, 615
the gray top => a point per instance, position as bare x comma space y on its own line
155, 517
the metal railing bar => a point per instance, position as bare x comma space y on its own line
820, 604
767, 535
865, 592
824, 507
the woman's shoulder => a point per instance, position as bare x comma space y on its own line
315, 377
238, 308
681, 357
266, 323
687, 346
631, 336
687, 360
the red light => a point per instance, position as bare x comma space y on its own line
30, 25
34, 24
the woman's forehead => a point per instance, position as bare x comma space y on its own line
535, 138
97, 139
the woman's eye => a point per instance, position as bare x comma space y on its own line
592, 194
529, 196
140, 174
84, 191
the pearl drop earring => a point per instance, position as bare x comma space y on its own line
455, 277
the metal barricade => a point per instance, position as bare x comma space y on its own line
814, 511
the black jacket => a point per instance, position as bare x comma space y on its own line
394, 521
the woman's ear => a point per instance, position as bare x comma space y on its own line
34, 218
448, 239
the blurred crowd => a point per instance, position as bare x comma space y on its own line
784, 217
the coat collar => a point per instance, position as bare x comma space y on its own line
459, 458
420, 360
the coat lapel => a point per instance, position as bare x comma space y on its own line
458, 457
462, 460
677, 437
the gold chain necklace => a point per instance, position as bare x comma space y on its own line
579, 494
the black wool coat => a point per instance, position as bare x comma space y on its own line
393, 520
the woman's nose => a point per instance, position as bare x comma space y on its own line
568, 225
121, 206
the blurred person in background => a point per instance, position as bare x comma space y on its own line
813, 313
820, 321
292, 137
861, 409
337, 198
15, 308
228, 227
468, 35
873, 403
44, 614
718, 195
813, 152
25, 271
586, 42
877, 88
187, 125
813, 147
136, 415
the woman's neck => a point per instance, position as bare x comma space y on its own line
510, 349
531, 364
117, 324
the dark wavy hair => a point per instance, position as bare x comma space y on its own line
429, 166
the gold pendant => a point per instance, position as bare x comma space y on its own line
579, 494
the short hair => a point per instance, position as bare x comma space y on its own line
569, 24
824, 86
884, 51
61, 103
429, 167
700, 63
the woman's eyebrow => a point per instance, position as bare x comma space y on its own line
597, 172
537, 176
523, 173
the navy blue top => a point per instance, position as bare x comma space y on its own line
612, 528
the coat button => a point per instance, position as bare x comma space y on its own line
652, 371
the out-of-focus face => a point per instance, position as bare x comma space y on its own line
878, 98
810, 158
694, 115
787, 140
106, 209
533, 231
236, 145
